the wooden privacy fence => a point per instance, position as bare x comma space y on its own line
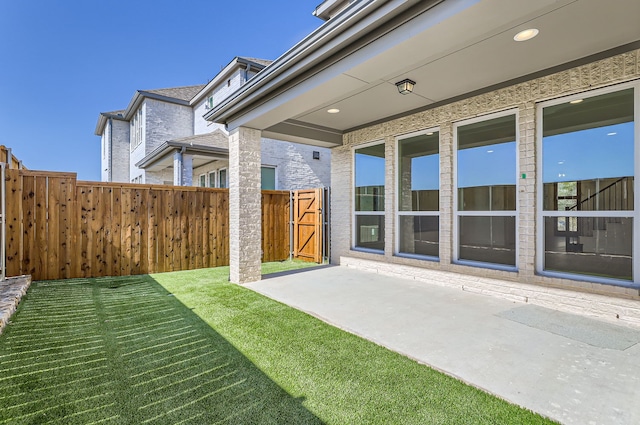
58, 227
8, 158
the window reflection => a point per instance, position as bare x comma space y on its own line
369, 197
369, 178
419, 173
487, 176
588, 165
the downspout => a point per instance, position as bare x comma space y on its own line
178, 167
110, 150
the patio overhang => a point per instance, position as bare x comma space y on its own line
451, 48
162, 157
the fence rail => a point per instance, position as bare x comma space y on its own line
58, 227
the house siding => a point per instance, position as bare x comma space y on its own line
522, 97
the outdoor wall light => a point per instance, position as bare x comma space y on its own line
405, 86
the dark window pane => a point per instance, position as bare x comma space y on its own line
369, 178
370, 231
596, 246
268, 176
419, 235
419, 173
223, 178
488, 239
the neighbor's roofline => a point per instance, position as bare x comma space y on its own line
102, 121
224, 73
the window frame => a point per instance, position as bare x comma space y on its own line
275, 176
200, 178
213, 174
354, 213
398, 213
455, 233
541, 214
219, 179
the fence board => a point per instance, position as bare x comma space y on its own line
14, 249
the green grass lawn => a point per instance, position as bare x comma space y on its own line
189, 347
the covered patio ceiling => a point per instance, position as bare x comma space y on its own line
450, 48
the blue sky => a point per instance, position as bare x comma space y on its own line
63, 62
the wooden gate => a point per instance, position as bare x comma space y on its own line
308, 225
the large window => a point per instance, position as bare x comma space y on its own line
137, 129
418, 195
486, 176
369, 171
587, 160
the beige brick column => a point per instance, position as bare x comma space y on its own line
527, 191
446, 194
389, 196
245, 208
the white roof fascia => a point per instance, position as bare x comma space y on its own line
222, 75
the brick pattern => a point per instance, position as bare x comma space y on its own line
521, 97
120, 152
245, 208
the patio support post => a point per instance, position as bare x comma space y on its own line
177, 168
245, 205
187, 170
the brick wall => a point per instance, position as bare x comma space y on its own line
522, 98
120, 152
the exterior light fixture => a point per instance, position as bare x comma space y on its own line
526, 34
405, 86
333, 110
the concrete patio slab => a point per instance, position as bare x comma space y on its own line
478, 339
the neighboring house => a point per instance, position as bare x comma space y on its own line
162, 138
503, 156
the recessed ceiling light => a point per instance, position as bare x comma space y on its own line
575, 102
333, 110
526, 34
430, 134
612, 134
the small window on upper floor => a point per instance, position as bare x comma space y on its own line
209, 103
